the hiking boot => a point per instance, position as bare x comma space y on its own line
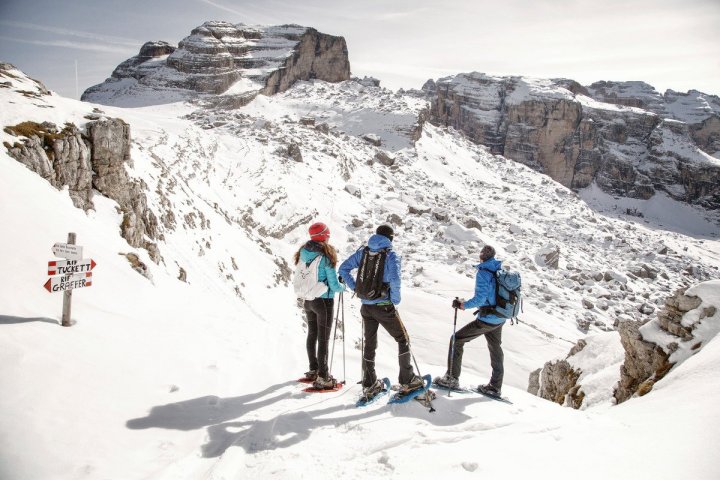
489, 390
414, 384
311, 374
327, 383
447, 381
374, 389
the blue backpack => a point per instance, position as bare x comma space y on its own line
508, 298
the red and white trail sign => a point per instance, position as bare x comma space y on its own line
68, 267
68, 282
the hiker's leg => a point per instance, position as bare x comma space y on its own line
311, 342
455, 353
391, 322
323, 308
494, 340
370, 325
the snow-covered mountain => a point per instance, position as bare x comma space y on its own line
624, 137
236, 61
182, 360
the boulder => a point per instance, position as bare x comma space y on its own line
383, 158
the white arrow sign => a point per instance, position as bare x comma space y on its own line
65, 250
68, 282
68, 267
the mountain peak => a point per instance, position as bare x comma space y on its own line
221, 58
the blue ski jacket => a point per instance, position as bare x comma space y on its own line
485, 290
391, 275
326, 272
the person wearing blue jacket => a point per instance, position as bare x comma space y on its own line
319, 311
382, 311
486, 323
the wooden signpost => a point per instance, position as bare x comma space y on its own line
71, 273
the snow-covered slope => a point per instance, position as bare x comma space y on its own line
165, 379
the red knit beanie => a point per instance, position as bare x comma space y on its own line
319, 232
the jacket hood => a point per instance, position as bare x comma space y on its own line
379, 242
490, 264
310, 251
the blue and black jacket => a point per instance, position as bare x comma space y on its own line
485, 290
391, 275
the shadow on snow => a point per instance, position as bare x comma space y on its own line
220, 416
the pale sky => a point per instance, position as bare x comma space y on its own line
671, 44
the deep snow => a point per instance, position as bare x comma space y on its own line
163, 379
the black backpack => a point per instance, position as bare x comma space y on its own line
369, 281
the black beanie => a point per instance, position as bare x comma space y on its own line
386, 231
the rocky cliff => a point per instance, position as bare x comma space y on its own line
88, 160
219, 58
650, 349
625, 137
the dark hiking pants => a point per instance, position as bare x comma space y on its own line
493, 335
385, 315
319, 313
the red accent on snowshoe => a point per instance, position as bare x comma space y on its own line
323, 390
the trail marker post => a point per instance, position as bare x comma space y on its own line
71, 273
67, 294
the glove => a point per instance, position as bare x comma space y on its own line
457, 304
340, 279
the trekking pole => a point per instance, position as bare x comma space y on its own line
334, 333
428, 400
342, 303
452, 341
407, 337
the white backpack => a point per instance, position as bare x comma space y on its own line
305, 280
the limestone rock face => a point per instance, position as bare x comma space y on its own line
537, 134
111, 152
316, 55
649, 346
222, 58
624, 136
83, 163
32, 87
644, 361
554, 382
60, 157
142, 64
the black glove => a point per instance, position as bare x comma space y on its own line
457, 303
340, 279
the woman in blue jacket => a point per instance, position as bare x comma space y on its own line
319, 311
486, 324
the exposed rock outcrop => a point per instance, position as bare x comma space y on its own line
645, 362
555, 382
222, 58
650, 349
35, 88
110, 140
625, 137
86, 162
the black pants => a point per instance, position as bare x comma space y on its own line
493, 335
387, 316
319, 314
